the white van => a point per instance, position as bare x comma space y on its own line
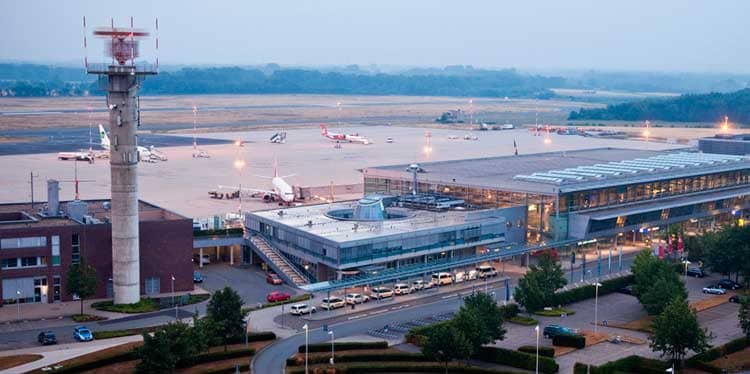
486, 271
300, 309
402, 289
442, 278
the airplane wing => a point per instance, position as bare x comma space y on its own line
247, 189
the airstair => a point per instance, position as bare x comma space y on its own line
280, 264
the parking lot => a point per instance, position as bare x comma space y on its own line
249, 282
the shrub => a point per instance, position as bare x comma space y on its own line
343, 346
555, 312
403, 367
120, 333
516, 359
142, 306
701, 361
417, 335
630, 364
87, 318
575, 341
523, 320
589, 291
543, 351
361, 357
510, 310
215, 356
254, 336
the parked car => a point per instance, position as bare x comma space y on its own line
696, 272
47, 338
419, 285
472, 275
628, 290
272, 278
197, 277
332, 303
82, 334
205, 260
459, 276
277, 296
551, 331
300, 309
714, 290
442, 279
402, 289
486, 271
381, 293
729, 284
356, 298
738, 299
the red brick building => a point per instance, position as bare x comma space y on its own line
37, 248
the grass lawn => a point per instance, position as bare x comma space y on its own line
142, 306
523, 320
8, 362
555, 312
96, 356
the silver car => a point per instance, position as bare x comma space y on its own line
714, 290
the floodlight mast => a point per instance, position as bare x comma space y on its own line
123, 78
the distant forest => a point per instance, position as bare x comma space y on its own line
28, 80
710, 107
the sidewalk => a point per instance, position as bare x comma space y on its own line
54, 354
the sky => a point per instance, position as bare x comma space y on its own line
633, 35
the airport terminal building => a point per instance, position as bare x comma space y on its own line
511, 203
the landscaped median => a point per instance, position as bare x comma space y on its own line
292, 300
146, 305
630, 364
706, 361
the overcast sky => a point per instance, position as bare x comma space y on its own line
663, 35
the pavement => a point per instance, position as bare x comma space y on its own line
249, 282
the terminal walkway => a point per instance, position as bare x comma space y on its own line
277, 261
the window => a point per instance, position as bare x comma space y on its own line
56, 250
75, 249
56, 288
10, 263
29, 261
28, 242
153, 285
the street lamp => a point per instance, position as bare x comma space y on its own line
176, 315
18, 302
307, 331
596, 305
239, 164
537, 349
330, 332
686, 263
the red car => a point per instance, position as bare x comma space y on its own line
276, 296
272, 278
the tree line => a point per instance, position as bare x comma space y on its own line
710, 107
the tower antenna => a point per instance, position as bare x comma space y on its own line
157, 44
85, 46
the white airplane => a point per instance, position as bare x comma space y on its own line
76, 156
351, 138
149, 154
280, 190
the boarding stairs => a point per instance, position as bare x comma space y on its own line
277, 261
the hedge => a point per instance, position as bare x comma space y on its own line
564, 340
402, 367
216, 356
361, 357
343, 346
589, 291
258, 336
702, 361
543, 351
516, 359
523, 320
630, 364
227, 370
417, 335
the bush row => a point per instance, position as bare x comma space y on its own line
258, 336
417, 335
401, 367
543, 351
216, 356
630, 364
343, 346
589, 291
516, 359
361, 357
564, 340
702, 361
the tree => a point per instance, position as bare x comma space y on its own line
676, 330
170, 344
446, 343
81, 281
225, 311
536, 289
744, 317
482, 308
662, 292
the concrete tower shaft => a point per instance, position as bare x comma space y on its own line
122, 98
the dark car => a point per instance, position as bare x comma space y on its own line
628, 290
555, 330
696, 272
738, 299
197, 277
47, 338
729, 284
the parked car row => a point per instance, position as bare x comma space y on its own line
721, 287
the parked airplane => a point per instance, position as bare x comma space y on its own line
280, 190
76, 156
351, 138
149, 154
279, 137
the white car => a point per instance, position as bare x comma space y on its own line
381, 293
332, 303
356, 298
486, 271
300, 309
714, 290
442, 279
419, 285
459, 277
472, 275
389, 140
402, 289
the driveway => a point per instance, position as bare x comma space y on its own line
249, 282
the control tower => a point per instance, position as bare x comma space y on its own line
121, 78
